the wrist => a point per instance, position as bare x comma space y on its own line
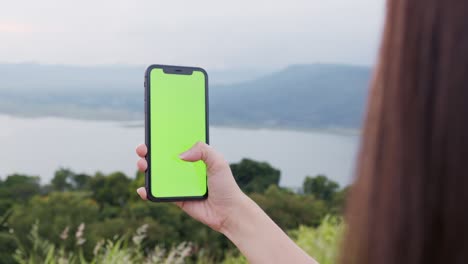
245, 221
237, 215
258, 238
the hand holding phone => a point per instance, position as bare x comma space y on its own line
225, 197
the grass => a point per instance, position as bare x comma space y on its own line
321, 243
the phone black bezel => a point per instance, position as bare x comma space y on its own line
171, 70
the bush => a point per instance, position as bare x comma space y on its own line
322, 242
290, 210
109, 205
110, 251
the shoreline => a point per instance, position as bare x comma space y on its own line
136, 123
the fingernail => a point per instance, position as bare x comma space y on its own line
184, 155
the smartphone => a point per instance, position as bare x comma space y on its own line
176, 117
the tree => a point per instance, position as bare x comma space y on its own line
337, 205
18, 187
137, 182
321, 187
62, 180
111, 189
81, 181
253, 176
67, 180
290, 210
54, 212
8, 245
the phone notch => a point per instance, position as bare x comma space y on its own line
178, 70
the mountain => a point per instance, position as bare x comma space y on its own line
84, 92
97, 92
300, 96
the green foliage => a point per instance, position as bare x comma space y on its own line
290, 210
3, 221
322, 242
137, 182
320, 186
7, 242
111, 189
253, 176
66, 180
118, 250
235, 260
41, 250
57, 212
7, 245
327, 190
338, 202
61, 181
17, 188
109, 206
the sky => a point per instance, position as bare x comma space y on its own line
216, 34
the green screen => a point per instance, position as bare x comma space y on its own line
177, 121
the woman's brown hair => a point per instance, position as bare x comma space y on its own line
409, 203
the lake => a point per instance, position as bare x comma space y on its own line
38, 146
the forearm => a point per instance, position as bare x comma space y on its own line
259, 238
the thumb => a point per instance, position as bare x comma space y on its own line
214, 161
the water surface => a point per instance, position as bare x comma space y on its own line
39, 146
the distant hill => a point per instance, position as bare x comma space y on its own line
98, 92
301, 96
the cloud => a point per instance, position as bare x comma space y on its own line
210, 33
